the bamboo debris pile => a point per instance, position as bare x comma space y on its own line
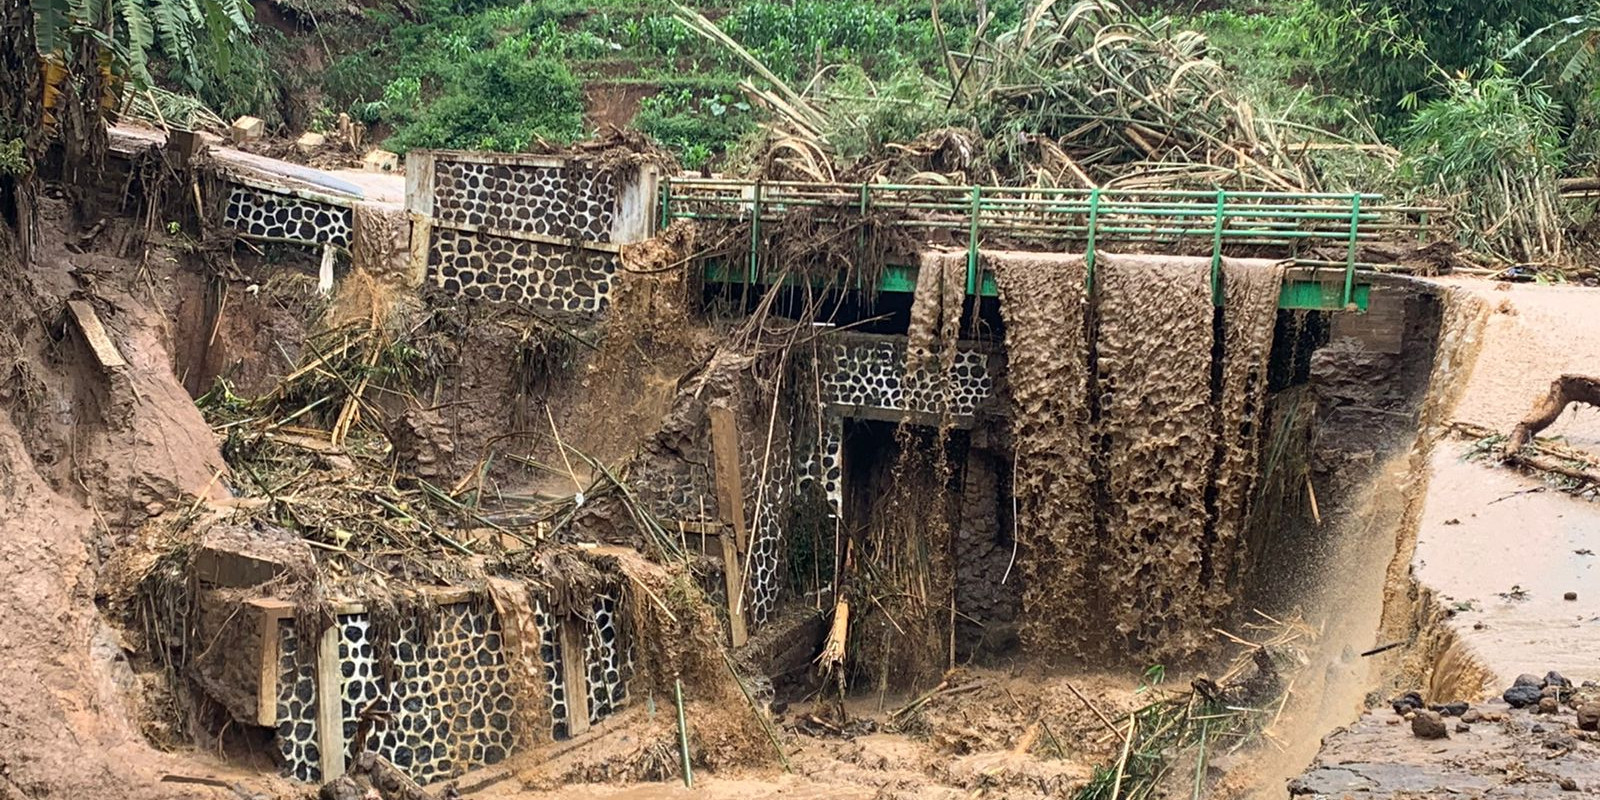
1085, 95
319, 455
1222, 716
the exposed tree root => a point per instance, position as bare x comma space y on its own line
1564, 391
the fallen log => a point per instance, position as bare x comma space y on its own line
1564, 391
1541, 456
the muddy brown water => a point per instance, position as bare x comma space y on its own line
1116, 429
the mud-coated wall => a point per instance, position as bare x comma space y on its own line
988, 585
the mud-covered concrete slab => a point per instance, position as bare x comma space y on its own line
1524, 755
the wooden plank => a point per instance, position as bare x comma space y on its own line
730, 485
268, 614
575, 674
105, 350
735, 582
330, 717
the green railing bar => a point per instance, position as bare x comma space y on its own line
861, 232
1295, 293
1350, 261
972, 241
755, 234
1088, 255
1216, 247
734, 183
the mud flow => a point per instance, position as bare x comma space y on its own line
499, 493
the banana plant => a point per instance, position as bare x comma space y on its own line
189, 33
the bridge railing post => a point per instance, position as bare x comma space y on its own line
1350, 258
755, 234
972, 240
1089, 255
1216, 246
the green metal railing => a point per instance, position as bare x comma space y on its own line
1287, 225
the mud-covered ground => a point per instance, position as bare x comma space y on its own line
986, 735
1503, 752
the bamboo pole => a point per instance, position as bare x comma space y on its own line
683, 736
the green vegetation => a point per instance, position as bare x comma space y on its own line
1437, 101
193, 36
501, 99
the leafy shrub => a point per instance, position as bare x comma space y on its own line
498, 99
1493, 150
698, 125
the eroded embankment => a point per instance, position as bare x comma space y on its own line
1362, 593
1137, 415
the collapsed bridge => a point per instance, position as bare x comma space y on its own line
1017, 418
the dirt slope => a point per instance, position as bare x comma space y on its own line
83, 454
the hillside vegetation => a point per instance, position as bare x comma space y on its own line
1485, 106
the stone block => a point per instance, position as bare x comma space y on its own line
246, 129
310, 142
185, 144
381, 161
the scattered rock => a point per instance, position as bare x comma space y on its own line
1462, 727
1570, 596
1428, 725
1523, 693
155, 508
1452, 709
1473, 715
1548, 705
1406, 703
1568, 785
1589, 717
1536, 729
1556, 679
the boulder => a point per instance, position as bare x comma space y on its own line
1406, 703
1429, 725
1522, 695
1589, 717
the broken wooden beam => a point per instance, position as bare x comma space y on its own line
730, 484
330, 714
575, 675
733, 576
105, 350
